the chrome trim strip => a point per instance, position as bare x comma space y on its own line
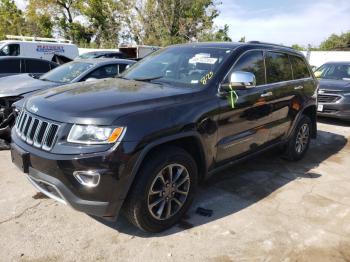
34, 181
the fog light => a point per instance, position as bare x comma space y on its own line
87, 178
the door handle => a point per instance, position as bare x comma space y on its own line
298, 87
266, 94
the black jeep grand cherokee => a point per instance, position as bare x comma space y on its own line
142, 143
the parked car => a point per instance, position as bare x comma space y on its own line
20, 65
102, 54
16, 88
144, 141
36, 47
334, 90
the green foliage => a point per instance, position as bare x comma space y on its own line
336, 42
12, 20
164, 22
298, 47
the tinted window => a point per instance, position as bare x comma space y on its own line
11, 50
334, 71
300, 69
104, 72
278, 67
252, 62
122, 67
10, 66
37, 66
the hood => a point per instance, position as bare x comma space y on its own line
334, 85
20, 84
102, 102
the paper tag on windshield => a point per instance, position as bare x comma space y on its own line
203, 59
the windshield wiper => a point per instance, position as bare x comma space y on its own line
148, 79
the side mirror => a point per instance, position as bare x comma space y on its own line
242, 80
90, 79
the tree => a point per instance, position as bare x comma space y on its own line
336, 42
105, 20
38, 22
12, 19
216, 35
242, 40
298, 47
164, 22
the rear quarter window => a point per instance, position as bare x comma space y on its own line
300, 69
278, 67
10, 66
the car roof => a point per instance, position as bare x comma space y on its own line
339, 62
102, 52
97, 61
23, 57
234, 45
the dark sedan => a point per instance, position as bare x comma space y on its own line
17, 88
334, 91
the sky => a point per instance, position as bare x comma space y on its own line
286, 22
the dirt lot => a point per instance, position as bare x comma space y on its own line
264, 209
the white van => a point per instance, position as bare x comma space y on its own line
42, 48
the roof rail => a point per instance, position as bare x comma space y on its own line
266, 43
37, 39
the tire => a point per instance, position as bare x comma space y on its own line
151, 186
299, 143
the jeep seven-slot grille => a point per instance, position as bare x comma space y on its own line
35, 131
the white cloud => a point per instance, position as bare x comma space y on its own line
302, 24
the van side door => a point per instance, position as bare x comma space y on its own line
244, 127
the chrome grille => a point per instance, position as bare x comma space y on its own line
328, 98
35, 131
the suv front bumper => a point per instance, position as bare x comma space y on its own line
53, 176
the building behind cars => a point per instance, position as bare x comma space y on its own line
41, 48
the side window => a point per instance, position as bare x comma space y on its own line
252, 62
11, 50
122, 67
300, 69
104, 72
278, 67
10, 66
37, 66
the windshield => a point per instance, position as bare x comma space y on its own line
67, 72
184, 66
334, 71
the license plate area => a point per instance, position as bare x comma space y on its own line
20, 158
320, 108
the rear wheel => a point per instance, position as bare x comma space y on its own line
163, 190
299, 143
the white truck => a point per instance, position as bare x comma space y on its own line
35, 47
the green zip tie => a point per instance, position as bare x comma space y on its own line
233, 97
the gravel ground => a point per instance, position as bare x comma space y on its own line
264, 209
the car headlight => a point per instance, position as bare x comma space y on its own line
95, 135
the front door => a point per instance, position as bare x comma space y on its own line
243, 128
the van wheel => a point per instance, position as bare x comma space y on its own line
163, 190
299, 143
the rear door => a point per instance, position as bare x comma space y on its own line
244, 127
280, 84
10, 66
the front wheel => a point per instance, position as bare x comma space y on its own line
299, 143
163, 191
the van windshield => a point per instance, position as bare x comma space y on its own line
183, 66
67, 72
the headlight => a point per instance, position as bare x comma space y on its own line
94, 135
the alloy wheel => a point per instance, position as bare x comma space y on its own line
302, 138
168, 191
